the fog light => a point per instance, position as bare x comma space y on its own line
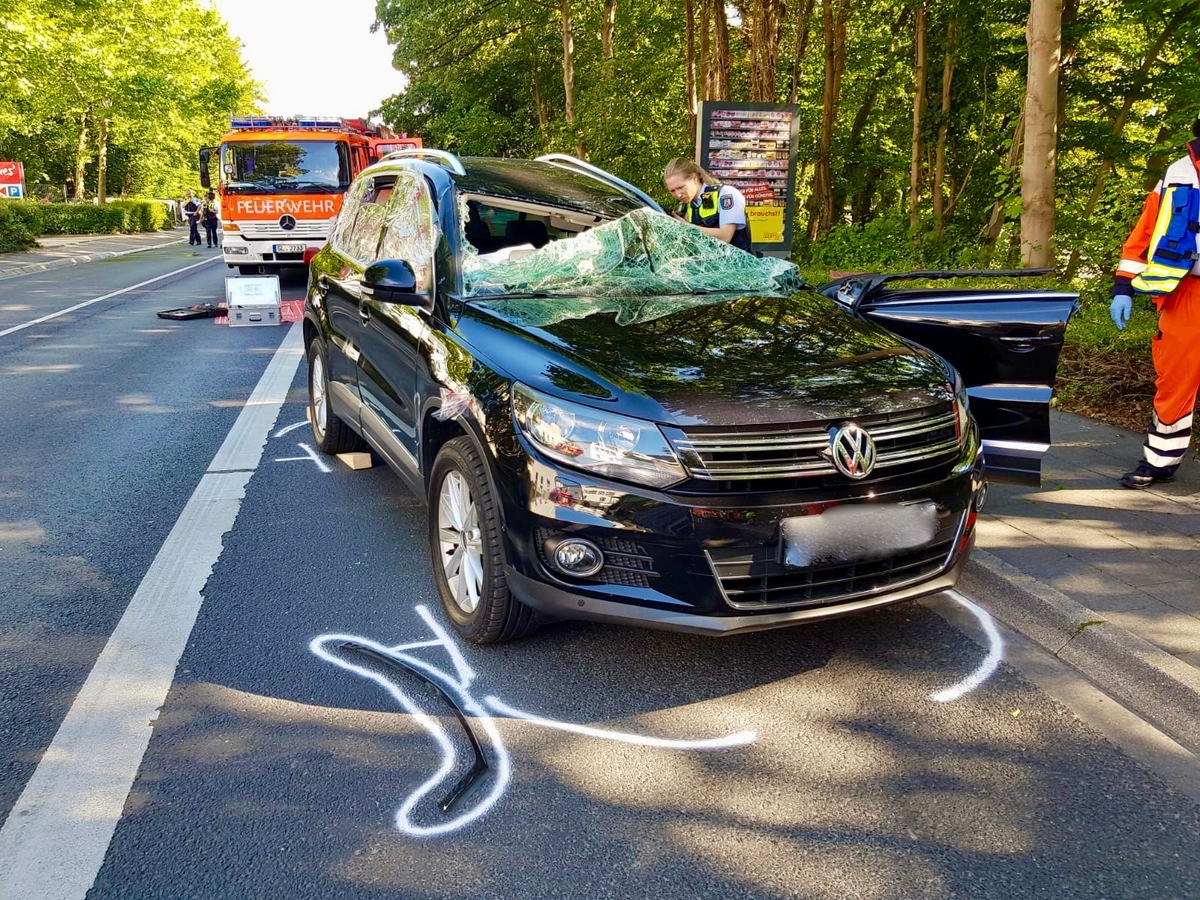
577, 557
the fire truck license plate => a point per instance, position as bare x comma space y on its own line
289, 248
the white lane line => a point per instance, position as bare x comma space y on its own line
56, 836
134, 287
990, 663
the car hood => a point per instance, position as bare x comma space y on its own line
709, 359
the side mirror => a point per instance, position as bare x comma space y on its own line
393, 281
205, 156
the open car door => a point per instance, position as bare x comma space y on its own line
1005, 343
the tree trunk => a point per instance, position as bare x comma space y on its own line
1137, 88
863, 181
914, 177
939, 160
802, 32
568, 65
833, 25
855, 141
689, 24
763, 36
1043, 37
608, 25
540, 104
81, 157
102, 160
720, 52
704, 66
996, 221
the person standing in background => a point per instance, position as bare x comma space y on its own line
1160, 259
211, 219
191, 210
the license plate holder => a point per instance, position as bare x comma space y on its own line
853, 533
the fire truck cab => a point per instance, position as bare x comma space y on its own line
281, 183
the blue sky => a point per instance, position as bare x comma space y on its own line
324, 63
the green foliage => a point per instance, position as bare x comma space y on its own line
158, 78
87, 218
143, 215
20, 224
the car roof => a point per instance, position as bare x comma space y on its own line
543, 184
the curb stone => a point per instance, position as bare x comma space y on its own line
1145, 678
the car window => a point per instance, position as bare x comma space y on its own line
350, 205
411, 232
362, 241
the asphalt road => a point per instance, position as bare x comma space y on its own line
854, 758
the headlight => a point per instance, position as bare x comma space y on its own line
962, 412
599, 442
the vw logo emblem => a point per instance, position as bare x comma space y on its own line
852, 451
287, 223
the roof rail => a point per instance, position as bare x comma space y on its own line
571, 163
441, 157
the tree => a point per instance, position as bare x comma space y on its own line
125, 83
1044, 39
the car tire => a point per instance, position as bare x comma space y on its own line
468, 558
330, 433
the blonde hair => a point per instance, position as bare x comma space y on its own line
686, 168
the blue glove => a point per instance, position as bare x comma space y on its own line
1120, 308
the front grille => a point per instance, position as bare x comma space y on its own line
304, 231
756, 579
625, 562
758, 452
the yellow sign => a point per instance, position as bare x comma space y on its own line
766, 224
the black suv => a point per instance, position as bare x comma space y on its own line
615, 417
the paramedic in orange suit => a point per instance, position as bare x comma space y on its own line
1176, 346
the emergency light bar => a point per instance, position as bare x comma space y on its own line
276, 123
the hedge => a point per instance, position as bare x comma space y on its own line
20, 224
84, 218
21, 221
144, 215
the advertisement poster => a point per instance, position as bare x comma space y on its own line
12, 180
752, 146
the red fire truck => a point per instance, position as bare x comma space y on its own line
281, 183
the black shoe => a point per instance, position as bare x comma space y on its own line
1145, 475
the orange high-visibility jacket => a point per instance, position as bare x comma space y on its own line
1136, 249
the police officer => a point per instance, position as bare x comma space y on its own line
1159, 259
192, 208
716, 209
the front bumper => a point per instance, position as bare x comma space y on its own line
558, 602
712, 564
274, 252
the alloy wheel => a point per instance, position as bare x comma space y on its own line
319, 389
460, 541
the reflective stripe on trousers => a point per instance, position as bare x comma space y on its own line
1176, 351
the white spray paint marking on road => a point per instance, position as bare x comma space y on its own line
108, 296
458, 686
325, 647
57, 834
990, 662
290, 428
310, 456
740, 739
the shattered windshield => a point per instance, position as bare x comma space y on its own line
643, 254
